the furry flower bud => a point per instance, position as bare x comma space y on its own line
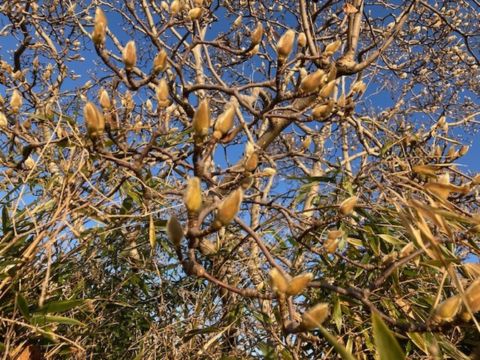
315, 316
94, 120
104, 99
278, 281
332, 48
162, 93
3, 120
348, 205
302, 40
16, 101
224, 122
257, 34
448, 309
328, 89
228, 208
130, 55
174, 231
321, 112
160, 62
100, 27
312, 82
193, 195
285, 44
195, 13
298, 284
201, 119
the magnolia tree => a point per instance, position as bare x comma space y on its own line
237, 179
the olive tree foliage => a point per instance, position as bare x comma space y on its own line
275, 179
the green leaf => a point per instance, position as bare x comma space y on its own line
390, 239
337, 314
5, 220
23, 306
60, 306
385, 342
47, 319
339, 348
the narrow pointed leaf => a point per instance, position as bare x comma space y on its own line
385, 342
339, 348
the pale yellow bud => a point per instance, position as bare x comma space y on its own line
238, 21
312, 82
94, 120
328, 89
285, 44
473, 296
104, 99
160, 62
201, 119
175, 7
302, 40
174, 231
476, 180
255, 50
224, 122
359, 87
99, 27
193, 195
451, 152
315, 316
348, 205
29, 163
463, 150
130, 55
278, 281
298, 284
164, 5
198, 2
195, 13
162, 93
249, 149
332, 73
3, 120
334, 234
330, 245
307, 142
448, 309
269, 171
441, 121
228, 208
332, 48
320, 112
149, 105
257, 34
251, 162
16, 101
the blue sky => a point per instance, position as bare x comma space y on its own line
85, 69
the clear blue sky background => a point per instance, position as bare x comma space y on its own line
8, 45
